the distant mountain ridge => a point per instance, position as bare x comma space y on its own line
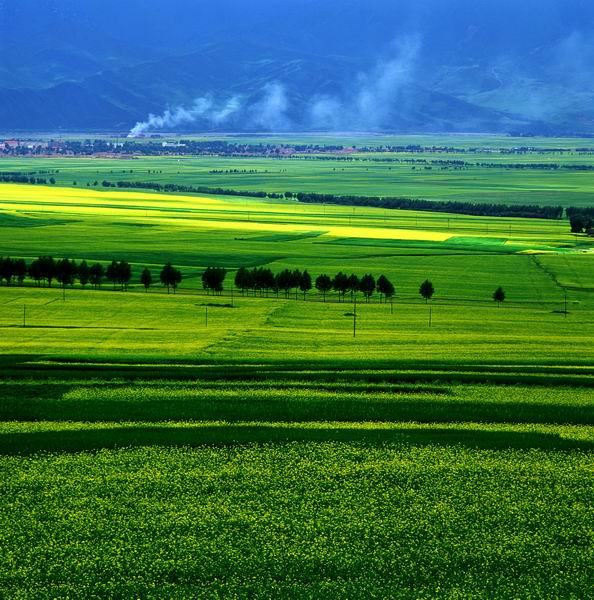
403, 66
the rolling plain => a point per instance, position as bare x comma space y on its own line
250, 445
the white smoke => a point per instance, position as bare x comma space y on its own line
271, 111
202, 108
367, 105
375, 94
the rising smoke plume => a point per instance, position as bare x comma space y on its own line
365, 105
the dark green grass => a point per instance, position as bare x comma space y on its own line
294, 402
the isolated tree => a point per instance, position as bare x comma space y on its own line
385, 287
305, 283
499, 296
213, 278
167, 275
353, 286
146, 279
177, 279
367, 286
340, 283
83, 273
96, 274
427, 290
323, 285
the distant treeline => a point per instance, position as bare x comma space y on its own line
453, 163
531, 211
19, 177
466, 208
157, 145
189, 189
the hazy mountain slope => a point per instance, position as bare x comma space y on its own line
403, 65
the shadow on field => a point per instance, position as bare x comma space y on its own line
256, 405
28, 443
401, 371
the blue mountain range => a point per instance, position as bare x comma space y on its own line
306, 65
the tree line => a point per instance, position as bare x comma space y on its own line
258, 280
528, 211
263, 280
45, 270
401, 203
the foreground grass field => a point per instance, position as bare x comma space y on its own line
329, 485
148, 452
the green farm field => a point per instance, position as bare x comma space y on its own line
362, 174
186, 445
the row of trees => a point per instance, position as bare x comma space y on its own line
258, 280
45, 270
263, 280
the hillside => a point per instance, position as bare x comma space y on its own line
426, 66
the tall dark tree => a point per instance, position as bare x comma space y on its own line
323, 285
65, 272
83, 273
167, 275
146, 279
20, 270
284, 281
305, 283
385, 287
340, 283
213, 278
367, 286
96, 274
353, 287
36, 271
499, 296
177, 279
295, 280
7, 269
244, 279
48, 269
124, 274
427, 290
111, 272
